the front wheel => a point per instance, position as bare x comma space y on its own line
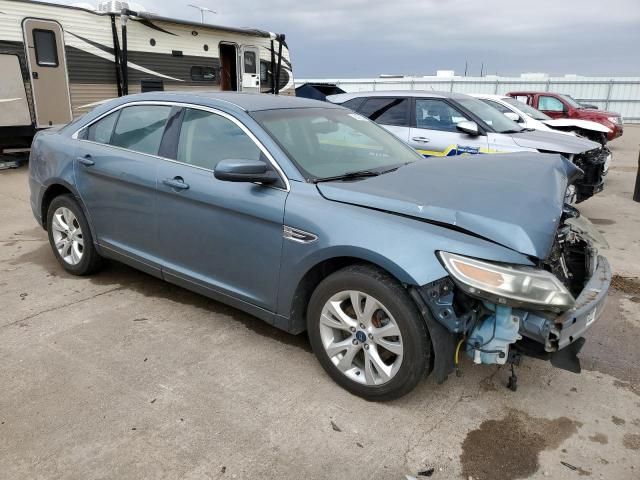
368, 334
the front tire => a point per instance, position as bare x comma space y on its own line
368, 334
70, 237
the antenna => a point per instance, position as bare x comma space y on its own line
202, 10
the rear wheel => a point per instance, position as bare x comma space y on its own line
368, 334
70, 236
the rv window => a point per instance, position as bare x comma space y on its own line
44, 42
140, 128
101, 131
203, 74
250, 62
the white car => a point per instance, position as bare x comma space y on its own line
529, 117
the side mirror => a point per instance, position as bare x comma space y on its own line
245, 171
512, 116
468, 127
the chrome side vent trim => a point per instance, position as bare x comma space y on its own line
297, 235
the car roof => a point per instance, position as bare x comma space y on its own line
343, 97
491, 96
248, 102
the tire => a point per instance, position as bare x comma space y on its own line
68, 228
373, 372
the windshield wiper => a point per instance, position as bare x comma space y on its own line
348, 176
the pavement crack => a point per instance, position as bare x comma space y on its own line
53, 309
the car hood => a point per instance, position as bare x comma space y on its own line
575, 122
553, 142
599, 113
513, 199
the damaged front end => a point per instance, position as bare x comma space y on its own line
595, 165
497, 312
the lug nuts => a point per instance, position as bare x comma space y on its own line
370, 337
366, 346
362, 326
355, 342
353, 329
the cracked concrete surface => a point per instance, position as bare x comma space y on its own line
123, 376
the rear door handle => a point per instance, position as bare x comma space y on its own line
176, 182
421, 139
86, 160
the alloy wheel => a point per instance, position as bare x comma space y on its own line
67, 236
361, 337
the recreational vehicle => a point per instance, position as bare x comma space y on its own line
58, 62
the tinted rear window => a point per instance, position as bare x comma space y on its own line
140, 128
387, 111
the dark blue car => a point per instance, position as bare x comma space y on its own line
311, 217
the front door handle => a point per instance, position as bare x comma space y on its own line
421, 139
176, 183
86, 160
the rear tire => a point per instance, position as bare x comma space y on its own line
70, 237
368, 334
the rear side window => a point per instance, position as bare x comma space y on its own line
140, 128
101, 131
354, 103
44, 43
206, 138
387, 111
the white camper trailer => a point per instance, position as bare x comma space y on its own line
57, 62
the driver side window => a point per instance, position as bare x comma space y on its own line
436, 114
550, 104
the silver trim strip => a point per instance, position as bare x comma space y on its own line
297, 235
215, 111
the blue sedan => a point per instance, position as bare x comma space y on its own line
313, 218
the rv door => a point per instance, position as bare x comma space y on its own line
250, 69
44, 43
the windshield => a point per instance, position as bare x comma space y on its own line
328, 142
529, 110
489, 115
571, 101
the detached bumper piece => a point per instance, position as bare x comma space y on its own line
560, 339
594, 165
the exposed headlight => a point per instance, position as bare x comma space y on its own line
508, 284
615, 120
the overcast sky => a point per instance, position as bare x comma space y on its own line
360, 38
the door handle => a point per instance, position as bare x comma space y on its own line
421, 139
86, 160
176, 183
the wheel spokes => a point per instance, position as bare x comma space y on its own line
67, 235
375, 370
337, 317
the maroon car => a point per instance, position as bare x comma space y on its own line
558, 105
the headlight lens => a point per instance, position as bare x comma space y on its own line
508, 284
615, 120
